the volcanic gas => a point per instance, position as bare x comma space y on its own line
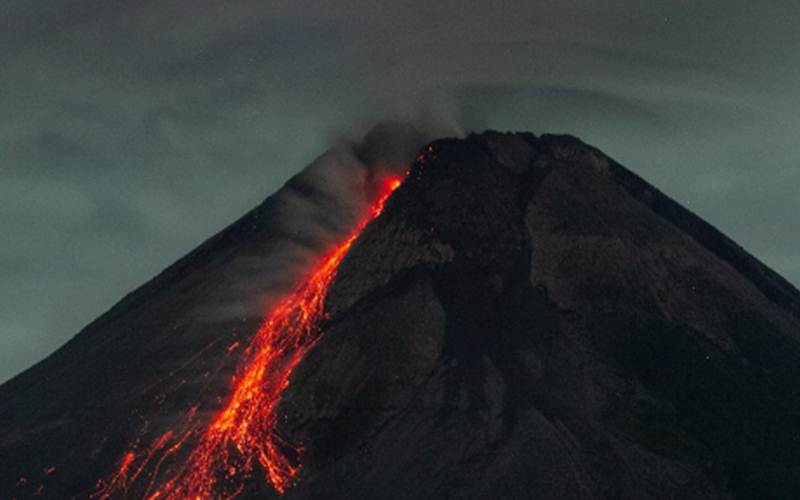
241, 439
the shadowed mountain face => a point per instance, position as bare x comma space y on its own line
526, 319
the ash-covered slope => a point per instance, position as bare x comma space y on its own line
526, 319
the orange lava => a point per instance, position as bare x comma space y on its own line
241, 439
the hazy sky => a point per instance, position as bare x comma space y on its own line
130, 131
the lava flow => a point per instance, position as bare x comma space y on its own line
241, 439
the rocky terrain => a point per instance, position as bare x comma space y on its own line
526, 319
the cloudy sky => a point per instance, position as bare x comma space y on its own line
130, 131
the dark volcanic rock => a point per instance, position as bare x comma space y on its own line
530, 320
527, 319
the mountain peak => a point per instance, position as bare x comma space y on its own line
524, 318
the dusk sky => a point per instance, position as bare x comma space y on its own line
132, 131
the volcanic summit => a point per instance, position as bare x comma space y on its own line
507, 316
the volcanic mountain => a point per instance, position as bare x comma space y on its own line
511, 317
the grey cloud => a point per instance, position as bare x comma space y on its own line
131, 131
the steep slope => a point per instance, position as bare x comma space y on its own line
526, 319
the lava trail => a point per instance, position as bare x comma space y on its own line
241, 439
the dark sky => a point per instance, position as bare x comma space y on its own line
132, 130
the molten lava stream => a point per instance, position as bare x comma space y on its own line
242, 436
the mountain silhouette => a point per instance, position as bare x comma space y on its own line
520, 317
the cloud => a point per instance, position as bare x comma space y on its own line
131, 131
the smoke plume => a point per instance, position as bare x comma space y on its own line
315, 210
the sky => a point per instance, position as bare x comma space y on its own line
132, 131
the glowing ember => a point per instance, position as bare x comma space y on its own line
242, 437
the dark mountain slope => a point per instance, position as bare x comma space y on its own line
526, 319
530, 320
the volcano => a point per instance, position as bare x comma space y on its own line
509, 316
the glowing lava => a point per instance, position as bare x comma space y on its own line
242, 437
